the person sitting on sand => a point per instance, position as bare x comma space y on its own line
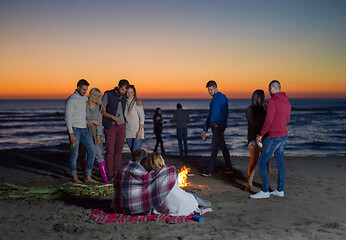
178, 202
75, 118
137, 191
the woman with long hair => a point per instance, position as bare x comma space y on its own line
255, 115
135, 117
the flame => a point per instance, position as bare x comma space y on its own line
182, 176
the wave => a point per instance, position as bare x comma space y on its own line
322, 144
26, 120
21, 126
34, 113
40, 133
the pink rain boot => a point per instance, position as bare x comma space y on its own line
103, 172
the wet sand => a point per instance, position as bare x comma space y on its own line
314, 206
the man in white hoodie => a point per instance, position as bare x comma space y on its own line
75, 118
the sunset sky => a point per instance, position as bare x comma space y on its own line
171, 48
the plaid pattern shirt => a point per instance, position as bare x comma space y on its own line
138, 191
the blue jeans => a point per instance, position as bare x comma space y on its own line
134, 144
98, 153
83, 136
182, 136
270, 146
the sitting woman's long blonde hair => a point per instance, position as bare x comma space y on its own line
156, 162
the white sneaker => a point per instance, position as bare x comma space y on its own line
277, 193
260, 195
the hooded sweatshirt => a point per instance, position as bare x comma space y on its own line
278, 116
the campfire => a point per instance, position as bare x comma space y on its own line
182, 176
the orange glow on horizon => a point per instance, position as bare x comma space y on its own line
196, 95
44, 86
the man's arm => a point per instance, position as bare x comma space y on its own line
104, 112
187, 117
68, 115
271, 109
174, 119
207, 124
68, 121
114, 118
215, 109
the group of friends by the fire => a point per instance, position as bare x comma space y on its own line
146, 184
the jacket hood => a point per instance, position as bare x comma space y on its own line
281, 95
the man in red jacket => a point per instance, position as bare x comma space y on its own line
275, 124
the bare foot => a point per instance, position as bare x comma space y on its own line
88, 179
76, 179
248, 188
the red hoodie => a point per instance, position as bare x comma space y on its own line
278, 116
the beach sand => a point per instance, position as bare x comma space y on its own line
314, 206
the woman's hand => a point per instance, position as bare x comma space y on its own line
97, 123
139, 103
139, 134
258, 139
98, 139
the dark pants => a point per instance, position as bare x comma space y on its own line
218, 141
115, 138
182, 136
159, 141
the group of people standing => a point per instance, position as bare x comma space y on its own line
266, 123
122, 116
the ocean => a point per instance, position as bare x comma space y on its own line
317, 127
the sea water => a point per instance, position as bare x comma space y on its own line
317, 127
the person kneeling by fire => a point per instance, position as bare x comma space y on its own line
146, 185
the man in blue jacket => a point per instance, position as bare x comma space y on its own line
217, 120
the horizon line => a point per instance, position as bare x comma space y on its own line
172, 98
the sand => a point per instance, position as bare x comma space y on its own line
314, 206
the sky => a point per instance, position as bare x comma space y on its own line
172, 48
